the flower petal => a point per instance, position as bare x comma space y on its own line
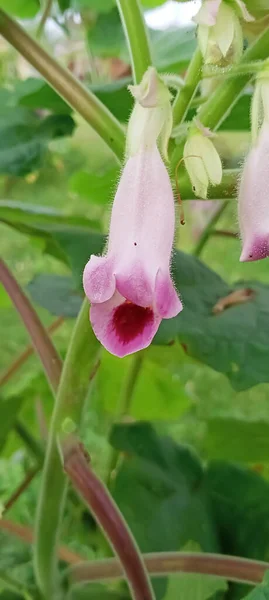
257, 250
167, 302
133, 283
123, 327
98, 279
208, 12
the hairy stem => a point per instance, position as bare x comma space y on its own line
41, 341
136, 36
68, 87
209, 228
101, 504
186, 93
74, 385
233, 568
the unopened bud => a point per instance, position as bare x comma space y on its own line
202, 162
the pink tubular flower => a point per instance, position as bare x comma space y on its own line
253, 203
130, 287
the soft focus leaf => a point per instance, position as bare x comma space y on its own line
23, 145
166, 397
157, 480
116, 97
57, 294
97, 188
240, 508
94, 592
194, 587
237, 440
21, 8
9, 409
36, 93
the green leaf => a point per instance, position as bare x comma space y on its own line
106, 36
21, 8
36, 94
116, 97
166, 397
241, 511
173, 48
96, 187
238, 119
9, 409
261, 592
158, 480
94, 592
23, 145
237, 440
101, 6
194, 587
57, 294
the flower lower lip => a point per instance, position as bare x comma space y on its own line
129, 320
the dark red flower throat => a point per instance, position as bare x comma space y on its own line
130, 320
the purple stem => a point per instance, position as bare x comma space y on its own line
41, 341
97, 497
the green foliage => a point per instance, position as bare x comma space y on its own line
57, 294
248, 440
21, 8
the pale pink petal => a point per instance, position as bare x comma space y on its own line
253, 201
133, 284
167, 302
98, 279
123, 327
258, 249
207, 15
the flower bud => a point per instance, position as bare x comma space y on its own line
220, 34
202, 162
151, 119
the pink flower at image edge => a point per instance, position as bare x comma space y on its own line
130, 288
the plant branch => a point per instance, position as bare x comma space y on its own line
26, 534
224, 233
208, 229
79, 367
186, 93
44, 17
66, 85
136, 36
41, 341
21, 488
101, 504
23, 357
233, 568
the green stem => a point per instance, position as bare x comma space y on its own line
45, 16
186, 94
124, 404
74, 93
73, 387
208, 229
213, 112
136, 36
234, 70
233, 568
